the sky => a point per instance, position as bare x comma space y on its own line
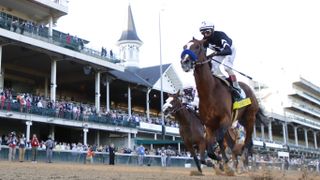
273, 38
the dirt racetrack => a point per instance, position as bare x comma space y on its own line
61, 171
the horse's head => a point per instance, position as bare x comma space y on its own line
191, 53
173, 104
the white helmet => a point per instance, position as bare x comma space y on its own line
205, 25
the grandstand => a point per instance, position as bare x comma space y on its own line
85, 97
77, 95
294, 113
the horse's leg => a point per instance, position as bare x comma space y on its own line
202, 149
211, 148
220, 138
235, 160
211, 145
248, 143
196, 160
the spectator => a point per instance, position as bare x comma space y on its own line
15, 25
170, 153
111, 54
49, 148
34, 147
0, 143
22, 147
22, 27
68, 39
90, 154
2, 99
111, 154
12, 143
141, 154
286, 163
163, 154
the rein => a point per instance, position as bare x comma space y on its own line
202, 62
177, 109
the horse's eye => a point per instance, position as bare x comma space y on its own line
184, 47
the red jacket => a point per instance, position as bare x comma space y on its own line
34, 142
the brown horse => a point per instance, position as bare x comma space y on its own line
193, 131
190, 127
216, 101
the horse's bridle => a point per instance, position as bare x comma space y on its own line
175, 110
178, 108
195, 56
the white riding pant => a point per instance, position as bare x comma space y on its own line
224, 68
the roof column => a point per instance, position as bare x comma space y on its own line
129, 101
53, 84
148, 103
1, 71
50, 32
97, 95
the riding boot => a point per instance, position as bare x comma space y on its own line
237, 92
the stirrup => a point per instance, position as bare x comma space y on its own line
236, 93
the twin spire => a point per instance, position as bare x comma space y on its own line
129, 44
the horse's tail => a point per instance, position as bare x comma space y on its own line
261, 117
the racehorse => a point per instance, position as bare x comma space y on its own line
190, 127
193, 131
215, 100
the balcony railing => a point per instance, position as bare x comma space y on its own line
69, 115
58, 38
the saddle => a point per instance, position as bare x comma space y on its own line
236, 104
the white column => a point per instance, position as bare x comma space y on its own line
179, 148
1, 71
53, 84
28, 123
262, 132
306, 137
148, 103
315, 139
85, 131
270, 131
254, 131
296, 135
284, 133
129, 140
50, 27
108, 96
97, 99
52, 131
155, 136
46, 82
173, 138
129, 101
98, 138
1, 78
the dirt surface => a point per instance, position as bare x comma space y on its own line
61, 171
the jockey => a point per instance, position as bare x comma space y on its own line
224, 53
190, 98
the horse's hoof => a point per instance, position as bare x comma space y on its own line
218, 171
229, 171
196, 173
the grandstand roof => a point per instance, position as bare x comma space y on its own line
152, 73
131, 77
149, 76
